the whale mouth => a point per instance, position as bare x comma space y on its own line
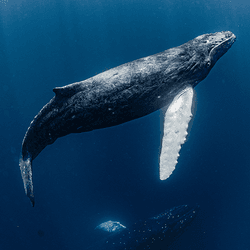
219, 50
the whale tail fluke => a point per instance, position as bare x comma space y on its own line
26, 172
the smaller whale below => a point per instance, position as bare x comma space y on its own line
158, 232
163, 81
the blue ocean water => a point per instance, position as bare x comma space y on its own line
112, 174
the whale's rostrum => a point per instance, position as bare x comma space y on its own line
128, 92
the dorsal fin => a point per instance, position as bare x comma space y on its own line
66, 91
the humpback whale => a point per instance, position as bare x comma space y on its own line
158, 232
162, 81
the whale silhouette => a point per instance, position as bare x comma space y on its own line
130, 91
157, 232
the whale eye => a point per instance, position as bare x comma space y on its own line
208, 64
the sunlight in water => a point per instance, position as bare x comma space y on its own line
4, 1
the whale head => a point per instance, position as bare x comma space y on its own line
203, 52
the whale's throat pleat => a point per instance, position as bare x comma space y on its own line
176, 120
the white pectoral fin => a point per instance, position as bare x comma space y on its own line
176, 119
110, 226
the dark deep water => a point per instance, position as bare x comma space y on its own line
85, 179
